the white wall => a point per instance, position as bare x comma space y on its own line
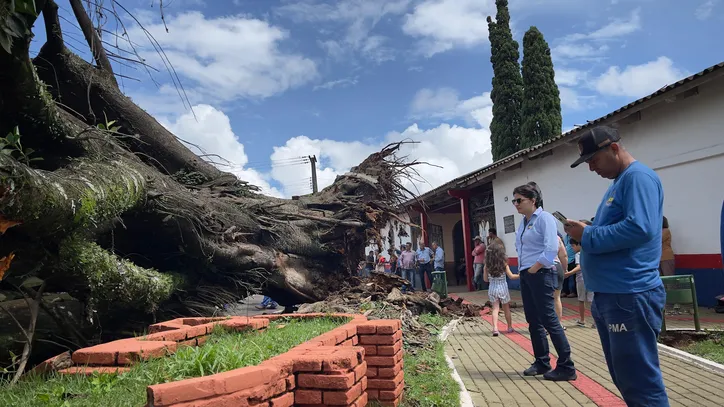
447, 221
683, 141
399, 240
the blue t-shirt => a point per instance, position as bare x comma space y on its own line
623, 247
569, 250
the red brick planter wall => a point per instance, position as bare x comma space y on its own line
347, 366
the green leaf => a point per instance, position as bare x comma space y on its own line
26, 7
28, 151
110, 123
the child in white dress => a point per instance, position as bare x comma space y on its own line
495, 271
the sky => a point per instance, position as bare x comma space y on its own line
270, 81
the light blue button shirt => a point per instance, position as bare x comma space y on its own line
439, 258
537, 240
423, 255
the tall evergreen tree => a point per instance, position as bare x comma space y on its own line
541, 98
507, 93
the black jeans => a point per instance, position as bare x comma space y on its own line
540, 313
569, 284
425, 269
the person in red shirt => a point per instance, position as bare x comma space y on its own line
478, 262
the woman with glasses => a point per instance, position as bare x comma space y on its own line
536, 242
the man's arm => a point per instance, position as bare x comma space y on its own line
642, 218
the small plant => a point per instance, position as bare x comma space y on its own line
10, 145
108, 125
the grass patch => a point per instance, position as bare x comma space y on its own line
223, 351
706, 344
428, 379
712, 349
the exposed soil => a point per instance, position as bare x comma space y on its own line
380, 297
682, 339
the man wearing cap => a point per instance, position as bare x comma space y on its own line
621, 251
478, 262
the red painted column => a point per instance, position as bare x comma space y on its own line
423, 225
464, 196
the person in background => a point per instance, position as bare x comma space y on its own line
495, 270
536, 242
478, 262
267, 303
381, 264
407, 262
584, 296
460, 273
369, 264
561, 258
569, 283
439, 257
493, 237
424, 264
667, 265
621, 252
393, 260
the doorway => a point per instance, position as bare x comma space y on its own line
459, 253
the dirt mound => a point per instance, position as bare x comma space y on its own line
381, 297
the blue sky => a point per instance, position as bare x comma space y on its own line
271, 80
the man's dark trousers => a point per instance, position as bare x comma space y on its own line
629, 326
540, 313
425, 269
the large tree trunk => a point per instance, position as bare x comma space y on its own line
135, 225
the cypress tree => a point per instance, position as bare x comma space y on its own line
541, 99
507, 92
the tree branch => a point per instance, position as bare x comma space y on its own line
53, 30
29, 333
91, 36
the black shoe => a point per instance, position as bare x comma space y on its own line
558, 376
535, 370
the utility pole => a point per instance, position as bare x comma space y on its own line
313, 162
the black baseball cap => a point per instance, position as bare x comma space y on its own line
594, 140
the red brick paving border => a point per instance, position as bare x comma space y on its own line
333, 369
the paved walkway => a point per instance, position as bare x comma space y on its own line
491, 368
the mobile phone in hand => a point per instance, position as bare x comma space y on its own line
560, 217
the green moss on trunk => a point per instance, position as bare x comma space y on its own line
80, 196
113, 282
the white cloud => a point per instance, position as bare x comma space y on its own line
226, 58
618, 27
445, 24
704, 11
638, 80
334, 158
339, 83
211, 132
452, 150
569, 77
572, 99
358, 19
444, 103
594, 44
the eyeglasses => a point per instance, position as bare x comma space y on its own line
517, 201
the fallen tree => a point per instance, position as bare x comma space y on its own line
99, 200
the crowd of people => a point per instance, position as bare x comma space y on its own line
412, 265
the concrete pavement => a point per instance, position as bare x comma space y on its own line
491, 367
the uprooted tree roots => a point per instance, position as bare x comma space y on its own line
133, 224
